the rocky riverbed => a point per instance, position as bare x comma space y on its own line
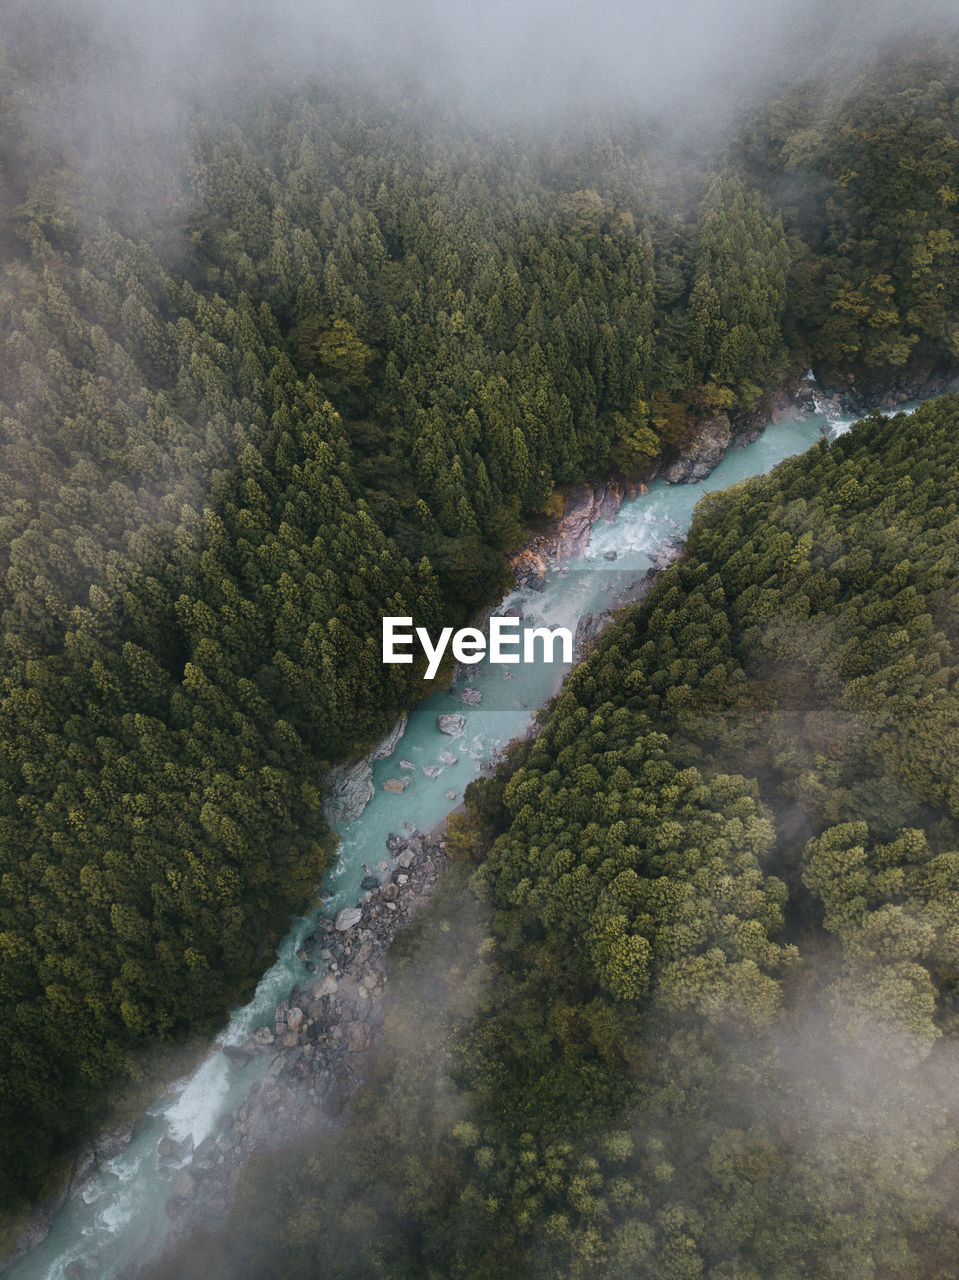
321, 1038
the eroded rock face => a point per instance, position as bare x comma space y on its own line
387, 744
351, 790
702, 453
569, 535
350, 784
584, 506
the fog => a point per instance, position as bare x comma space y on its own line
501, 62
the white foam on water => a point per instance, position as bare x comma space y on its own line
194, 1113
120, 1212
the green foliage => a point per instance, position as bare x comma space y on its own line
870, 168
605, 1058
332, 379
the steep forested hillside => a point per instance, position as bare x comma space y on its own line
687, 1006
323, 366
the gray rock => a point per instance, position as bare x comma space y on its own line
206, 1156
239, 1057
610, 555
84, 1167
432, 770
396, 785
347, 918
472, 697
451, 724
294, 1018
406, 859
112, 1143
351, 789
325, 987
387, 744
169, 1150
703, 452
263, 1037
588, 629
449, 757
185, 1185
350, 784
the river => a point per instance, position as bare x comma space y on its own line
120, 1215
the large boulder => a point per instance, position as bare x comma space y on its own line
325, 987
451, 724
347, 918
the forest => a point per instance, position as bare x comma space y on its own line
334, 370
686, 1004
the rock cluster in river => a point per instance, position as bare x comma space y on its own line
321, 1034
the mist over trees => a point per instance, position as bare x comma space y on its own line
310, 356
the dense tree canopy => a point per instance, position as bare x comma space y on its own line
331, 375
707, 921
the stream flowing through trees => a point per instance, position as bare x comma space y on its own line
119, 1216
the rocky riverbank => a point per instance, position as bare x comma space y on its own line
918, 382
322, 1035
567, 535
